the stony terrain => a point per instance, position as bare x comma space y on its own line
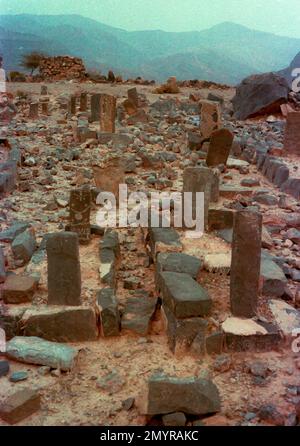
251, 368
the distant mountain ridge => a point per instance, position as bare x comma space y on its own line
224, 53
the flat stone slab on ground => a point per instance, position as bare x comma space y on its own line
218, 263
61, 324
232, 191
178, 263
242, 335
233, 163
164, 240
34, 350
192, 396
183, 295
20, 405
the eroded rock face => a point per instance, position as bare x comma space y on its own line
192, 396
260, 94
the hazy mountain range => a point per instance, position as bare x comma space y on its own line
224, 53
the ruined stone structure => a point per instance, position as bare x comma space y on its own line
62, 67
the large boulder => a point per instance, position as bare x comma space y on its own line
287, 72
192, 396
260, 94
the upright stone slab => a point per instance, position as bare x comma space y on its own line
64, 277
133, 96
292, 133
95, 107
45, 110
83, 102
219, 147
245, 263
198, 179
34, 110
72, 105
80, 209
108, 107
215, 186
210, 118
44, 90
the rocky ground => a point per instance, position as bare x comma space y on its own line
110, 378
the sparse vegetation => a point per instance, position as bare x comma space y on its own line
16, 76
32, 61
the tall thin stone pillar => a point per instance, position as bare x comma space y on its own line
83, 102
73, 101
198, 179
80, 209
64, 276
95, 107
34, 110
108, 107
245, 263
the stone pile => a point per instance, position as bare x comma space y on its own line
62, 67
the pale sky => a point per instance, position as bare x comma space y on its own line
276, 16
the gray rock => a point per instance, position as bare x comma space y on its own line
24, 246
292, 187
2, 266
109, 313
294, 235
64, 275
174, 419
163, 239
33, 350
16, 377
266, 199
178, 263
184, 334
192, 396
274, 280
260, 94
138, 313
183, 295
61, 324
4, 368
10, 234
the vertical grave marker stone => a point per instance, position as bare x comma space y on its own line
245, 263
80, 209
64, 276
